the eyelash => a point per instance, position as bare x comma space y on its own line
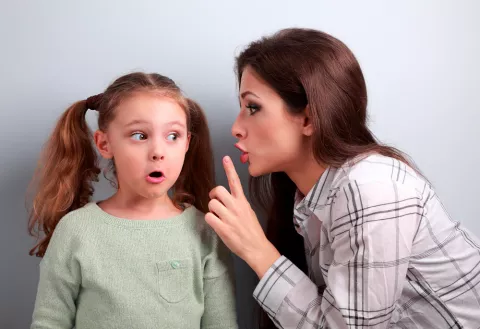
138, 133
177, 135
253, 108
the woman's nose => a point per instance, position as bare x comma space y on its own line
237, 129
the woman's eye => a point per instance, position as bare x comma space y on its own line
253, 108
139, 136
172, 137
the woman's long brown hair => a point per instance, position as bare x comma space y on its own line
69, 163
309, 67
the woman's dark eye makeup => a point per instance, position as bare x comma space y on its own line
252, 108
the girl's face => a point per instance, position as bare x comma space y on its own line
270, 138
148, 140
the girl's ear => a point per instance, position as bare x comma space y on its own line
102, 144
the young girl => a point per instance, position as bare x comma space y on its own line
140, 259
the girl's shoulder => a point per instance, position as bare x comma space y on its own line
206, 236
71, 231
77, 219
197, 218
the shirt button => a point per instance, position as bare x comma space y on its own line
175, 264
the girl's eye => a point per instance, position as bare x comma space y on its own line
253, 108
172, 137
139, 136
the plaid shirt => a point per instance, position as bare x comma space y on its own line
382, 252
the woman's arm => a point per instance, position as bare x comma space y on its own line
373, 226
372, 234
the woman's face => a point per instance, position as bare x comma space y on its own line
270, 138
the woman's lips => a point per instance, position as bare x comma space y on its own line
244, 155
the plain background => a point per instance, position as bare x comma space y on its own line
420, 59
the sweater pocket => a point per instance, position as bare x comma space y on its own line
174, 279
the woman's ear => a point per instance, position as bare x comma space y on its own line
307, 128
102, 144
189, 138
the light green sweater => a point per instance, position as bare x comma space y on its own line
102, 271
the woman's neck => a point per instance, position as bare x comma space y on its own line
306, 174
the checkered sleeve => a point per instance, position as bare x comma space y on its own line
371, 233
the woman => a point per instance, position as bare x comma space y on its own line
356, 236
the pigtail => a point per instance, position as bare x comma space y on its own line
197, 177
64, 175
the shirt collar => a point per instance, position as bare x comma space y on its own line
316, 198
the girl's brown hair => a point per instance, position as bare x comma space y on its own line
310, 68
69, 163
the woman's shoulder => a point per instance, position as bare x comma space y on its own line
378, 169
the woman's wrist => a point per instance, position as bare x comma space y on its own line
261, 261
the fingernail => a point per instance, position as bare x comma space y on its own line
226, 159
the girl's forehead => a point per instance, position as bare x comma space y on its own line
151, 108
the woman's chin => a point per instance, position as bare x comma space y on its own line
251, 170
256, 170
254, 174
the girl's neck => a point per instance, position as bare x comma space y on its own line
127, 206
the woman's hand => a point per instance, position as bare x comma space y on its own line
232, 217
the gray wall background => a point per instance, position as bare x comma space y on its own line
420, 59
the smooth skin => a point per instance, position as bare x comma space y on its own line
275, 141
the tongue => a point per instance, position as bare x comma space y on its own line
244, 158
